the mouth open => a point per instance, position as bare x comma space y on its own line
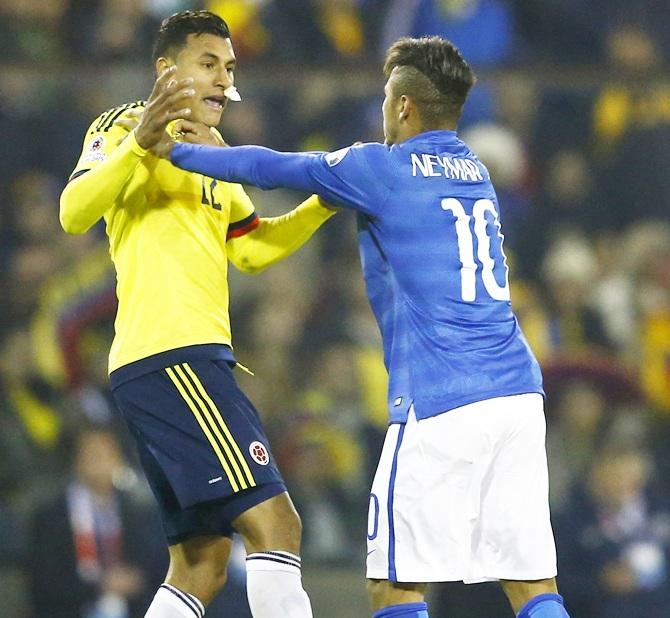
215, 102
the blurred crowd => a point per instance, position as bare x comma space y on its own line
572, 116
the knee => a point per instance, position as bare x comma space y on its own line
281, 532
274, 524
293, 525
203, 578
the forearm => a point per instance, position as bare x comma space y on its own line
254, 165
87, 198
278, 237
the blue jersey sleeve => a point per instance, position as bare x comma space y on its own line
347, 177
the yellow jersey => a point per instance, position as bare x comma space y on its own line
171, 234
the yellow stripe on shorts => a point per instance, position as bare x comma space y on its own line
193, 406
218, 425
222, 424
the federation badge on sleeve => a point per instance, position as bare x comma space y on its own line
333, 158
95, 150
259, 453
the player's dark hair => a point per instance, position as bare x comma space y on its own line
175, 29
434, 75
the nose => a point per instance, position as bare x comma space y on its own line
224, 78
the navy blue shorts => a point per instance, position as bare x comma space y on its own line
201, 445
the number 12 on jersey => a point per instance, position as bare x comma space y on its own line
466, 250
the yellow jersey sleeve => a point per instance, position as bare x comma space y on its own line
102, 137
243, 217
274, 238
109, 157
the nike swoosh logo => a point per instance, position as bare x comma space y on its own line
374, 550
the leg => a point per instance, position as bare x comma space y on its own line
196, 574
271, 525
198, 566
271, 532
535, 599
383, 593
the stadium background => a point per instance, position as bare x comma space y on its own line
572, 116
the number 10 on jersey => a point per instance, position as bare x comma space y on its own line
466, 250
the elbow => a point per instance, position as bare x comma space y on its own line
249, 268
249, 265
69, 220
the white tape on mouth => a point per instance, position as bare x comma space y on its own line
232, 94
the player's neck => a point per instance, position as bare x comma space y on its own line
443, 126
407, 132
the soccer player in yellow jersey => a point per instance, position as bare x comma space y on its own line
171, 235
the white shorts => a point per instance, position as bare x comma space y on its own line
464, 496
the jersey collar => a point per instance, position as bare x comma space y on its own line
442, 136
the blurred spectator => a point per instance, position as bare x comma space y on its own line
243, 17
614, 540
322, 460
559, 31
577, 426
631, 129
653, 290
569, 271
29, 30
74, 301
566, 204
574, 32
106, 30
32, 423
483, 30
503, 153
315, 30
34, 224
95, 551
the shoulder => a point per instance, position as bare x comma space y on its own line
105, 121
371, 153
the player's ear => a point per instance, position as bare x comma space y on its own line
162, 64
403, 107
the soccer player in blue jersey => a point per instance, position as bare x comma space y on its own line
461, 491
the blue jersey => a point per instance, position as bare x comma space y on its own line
432, 255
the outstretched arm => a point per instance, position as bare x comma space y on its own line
253, 165
351, 177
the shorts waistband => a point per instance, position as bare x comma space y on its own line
157, 362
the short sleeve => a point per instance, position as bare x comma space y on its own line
243, 216
102, 137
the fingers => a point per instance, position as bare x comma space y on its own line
130, 119
163, 111
186, 126
127, 123
192, 138
185, 112
171, 95
162, 80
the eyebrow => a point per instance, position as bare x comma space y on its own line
230, 62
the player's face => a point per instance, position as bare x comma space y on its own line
210, 61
